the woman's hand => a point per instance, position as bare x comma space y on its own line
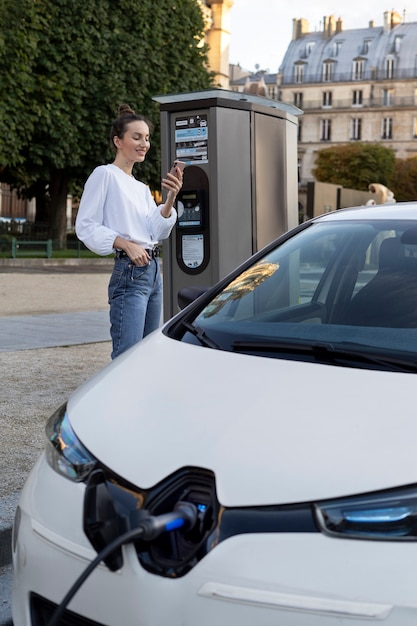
172, 183
134, 251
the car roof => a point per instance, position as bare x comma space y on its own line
395, 211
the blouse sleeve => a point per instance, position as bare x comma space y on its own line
89, 222
161, 226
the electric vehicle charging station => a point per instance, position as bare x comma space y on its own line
240, 188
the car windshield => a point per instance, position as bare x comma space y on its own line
334, 287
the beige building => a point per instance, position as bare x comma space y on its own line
352, 85
217, 15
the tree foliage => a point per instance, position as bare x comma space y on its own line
355, 165
66, 65
405, 180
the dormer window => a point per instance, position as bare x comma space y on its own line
336, 48
366, 46
358, 69
299, 72
397, 43
327, 71
389, 67
309, 47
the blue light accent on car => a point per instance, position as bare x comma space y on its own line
378, 516
390, 515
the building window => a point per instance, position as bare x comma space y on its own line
397, 43
298, 99
309, 47
387, 97
365, 47
327, 99
327, 71
357, 97
389, 68
415, 128
272, 92
300, 130
358, 68
356, 129
325, 130
299, 73
386, 131
336, 48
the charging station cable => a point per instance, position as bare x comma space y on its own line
184, 516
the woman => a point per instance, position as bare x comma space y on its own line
118, 214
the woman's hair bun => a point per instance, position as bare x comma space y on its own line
125, 109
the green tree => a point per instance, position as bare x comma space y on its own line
404, 186
355, 165
66, 65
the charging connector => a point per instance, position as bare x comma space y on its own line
184, 516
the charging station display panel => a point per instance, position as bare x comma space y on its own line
191, 139
189, 209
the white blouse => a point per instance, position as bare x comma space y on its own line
115, 204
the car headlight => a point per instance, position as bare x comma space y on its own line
64, 452
389, 515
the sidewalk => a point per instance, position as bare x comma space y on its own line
54, 334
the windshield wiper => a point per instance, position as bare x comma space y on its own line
200, 333
328, 353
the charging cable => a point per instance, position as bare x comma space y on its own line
184, 516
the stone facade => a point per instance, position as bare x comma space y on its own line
218, 18
353, 85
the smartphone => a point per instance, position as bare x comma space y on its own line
179, 164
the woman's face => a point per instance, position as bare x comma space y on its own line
135, 143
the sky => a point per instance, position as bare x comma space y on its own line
261, 30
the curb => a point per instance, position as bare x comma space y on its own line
72, 262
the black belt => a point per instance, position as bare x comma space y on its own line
153, 253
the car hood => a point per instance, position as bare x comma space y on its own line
272, 431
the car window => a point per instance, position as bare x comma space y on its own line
332, 282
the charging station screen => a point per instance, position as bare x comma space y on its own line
189, 210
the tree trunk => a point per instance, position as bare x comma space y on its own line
58, 190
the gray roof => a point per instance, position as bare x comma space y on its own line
270, 79
373, 45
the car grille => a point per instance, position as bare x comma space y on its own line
109, 505
41, 611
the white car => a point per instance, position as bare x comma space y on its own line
251, 462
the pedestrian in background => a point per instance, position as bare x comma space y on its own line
117, 213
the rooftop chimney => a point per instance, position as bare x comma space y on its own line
300, 27
329, 26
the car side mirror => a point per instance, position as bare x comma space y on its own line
187, 295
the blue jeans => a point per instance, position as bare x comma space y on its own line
135, 298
